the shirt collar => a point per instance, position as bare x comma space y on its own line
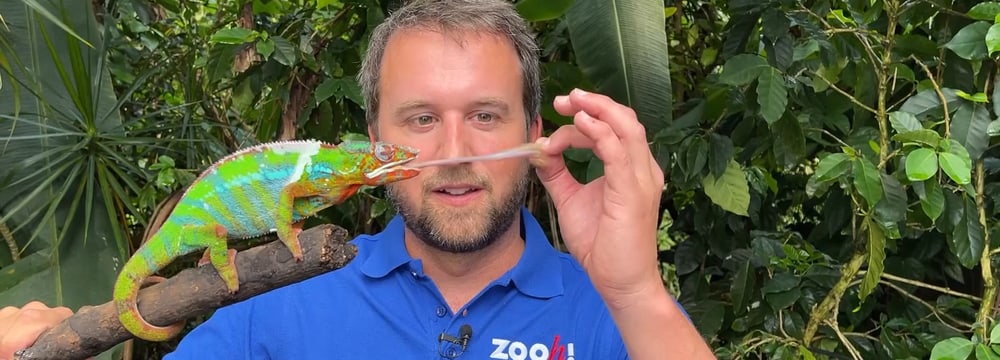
538, 273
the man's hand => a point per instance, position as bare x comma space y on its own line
609, 224
20, 327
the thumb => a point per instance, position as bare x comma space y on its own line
553, 174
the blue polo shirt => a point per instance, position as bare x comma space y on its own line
382, 306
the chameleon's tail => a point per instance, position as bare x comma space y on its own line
126, 294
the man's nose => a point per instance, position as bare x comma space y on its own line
456, 138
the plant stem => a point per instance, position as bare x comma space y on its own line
8, 237
882, 73
937, 89
821, 311
984, 316
939, 289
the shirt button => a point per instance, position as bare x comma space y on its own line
452, 353
441, 311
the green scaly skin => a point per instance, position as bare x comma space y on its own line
259, 190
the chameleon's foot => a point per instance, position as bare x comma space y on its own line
229, 277
290, 237
288, 231
205, 258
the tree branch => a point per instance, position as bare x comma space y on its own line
194, 292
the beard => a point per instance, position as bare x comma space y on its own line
459, 230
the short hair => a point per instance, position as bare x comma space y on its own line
496, 17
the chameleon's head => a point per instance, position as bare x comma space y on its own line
387, 165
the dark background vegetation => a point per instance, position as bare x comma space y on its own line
831, 165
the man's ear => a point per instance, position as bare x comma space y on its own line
371, 133
535, 129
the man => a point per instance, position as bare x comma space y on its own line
465, 271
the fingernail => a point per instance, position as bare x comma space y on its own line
579, 91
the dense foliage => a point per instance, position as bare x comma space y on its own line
832, 167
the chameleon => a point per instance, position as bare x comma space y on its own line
267, 188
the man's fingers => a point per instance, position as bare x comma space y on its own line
7, 311
563, 106
19, 328
621, 119
551, 170
566, 137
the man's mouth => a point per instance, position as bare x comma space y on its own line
457, 190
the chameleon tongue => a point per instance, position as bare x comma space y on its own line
525, 150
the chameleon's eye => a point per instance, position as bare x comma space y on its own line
383, 152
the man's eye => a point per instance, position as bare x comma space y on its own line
424, 120
484, 117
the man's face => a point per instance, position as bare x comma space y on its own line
451, 96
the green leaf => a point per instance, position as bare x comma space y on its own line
784, 299
956, 163
731, 191
969, 127
977, 97
993, 39
789, 142
987, 10
780, 282
41, 9
876, 258
892, 208
927, 103
742, 69
622, 47
969, 43
994, 128
956, 168
742, 287
326, 89
234, 36
775, 23
966, 242
921, 164
923, 136
832, 166
996, 94
983, 352
265, 48
955, 348
867, 181
696, 155
995, 334
931, 199
772, 95
284, 51
721, 151
904, 121
542, 10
